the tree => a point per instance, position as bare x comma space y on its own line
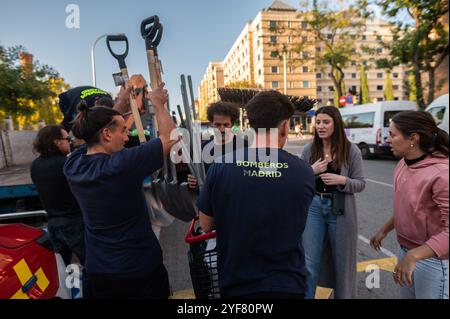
334, 31
364, 93
423, 43
387, 64
240, 85
28, 92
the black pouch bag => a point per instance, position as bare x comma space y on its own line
338, 205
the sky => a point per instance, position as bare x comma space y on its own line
195, 33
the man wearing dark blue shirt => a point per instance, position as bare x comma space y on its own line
123, 255
258, 202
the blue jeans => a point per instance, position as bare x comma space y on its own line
320, 221
430, 279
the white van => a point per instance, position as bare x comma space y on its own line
439, 109
367, 125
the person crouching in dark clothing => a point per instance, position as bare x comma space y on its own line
65, 222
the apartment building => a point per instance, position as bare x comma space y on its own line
212, 80
276, 51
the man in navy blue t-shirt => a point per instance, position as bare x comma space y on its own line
123, 255
257, 201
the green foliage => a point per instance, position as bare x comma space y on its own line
27, 90
422, 44
335, 30
364, 94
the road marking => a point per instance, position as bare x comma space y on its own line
383, 250
387, 264
183, 294
377, 182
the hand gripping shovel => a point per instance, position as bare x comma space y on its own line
151, 31
159, 217
123, 69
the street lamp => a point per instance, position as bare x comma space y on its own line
94, 82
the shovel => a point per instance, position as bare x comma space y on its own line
159, 217
151, 31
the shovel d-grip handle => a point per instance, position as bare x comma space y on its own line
120, 57
191, 239
151, 31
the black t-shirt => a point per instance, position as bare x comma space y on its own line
48, 177
320, 185
119, 236
260, 211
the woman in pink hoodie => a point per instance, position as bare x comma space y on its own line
421, 193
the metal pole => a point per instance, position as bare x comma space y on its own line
94, 80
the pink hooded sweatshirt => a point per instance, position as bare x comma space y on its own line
421, 195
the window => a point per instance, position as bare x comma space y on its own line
378, 37
291, 85
353, 75
257, 43
305, 55
274, 69
379, 50
353, 50
304, 25
379, 75
274, 84
362, 120
353, 63
395, 87
319, 89
304, 39
318, 75
353, 36
396, 98
259, 57
305, 84
305, 69
329, 36
272, 24
437, 113
395, 75
291, 69
388, 117
318, 49
379, 88
331, 88
289, 39
259, 72
273, 39
379, 99
289, 24
353, 89
364, 37
257, 27
365, 63
274, 54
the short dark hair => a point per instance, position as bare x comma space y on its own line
223, 108
432, 138
268, 109
106, 101
44, 141
89, 122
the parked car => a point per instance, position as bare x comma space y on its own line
367, 125
439, 109
29, 268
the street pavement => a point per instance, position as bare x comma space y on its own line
374, 208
